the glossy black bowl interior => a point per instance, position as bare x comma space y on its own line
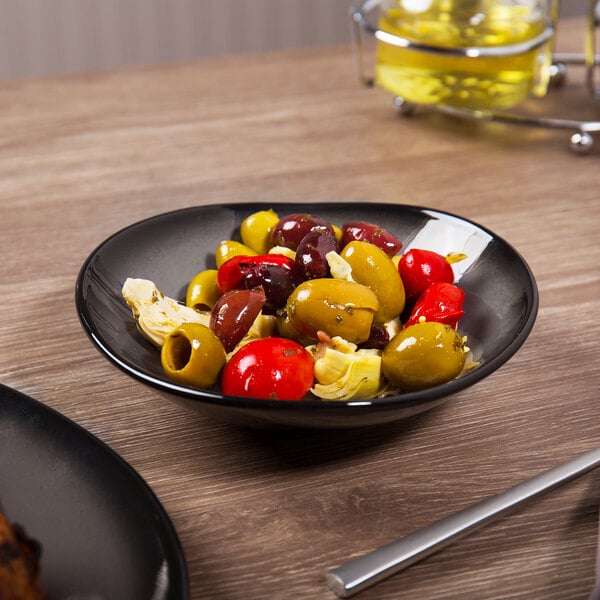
169, 249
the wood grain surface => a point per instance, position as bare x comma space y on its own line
265, 515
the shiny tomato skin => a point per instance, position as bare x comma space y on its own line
418, 268
441, 302
270, 368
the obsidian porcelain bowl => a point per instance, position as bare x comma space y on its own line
169, 249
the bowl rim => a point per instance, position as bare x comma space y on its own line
404, 399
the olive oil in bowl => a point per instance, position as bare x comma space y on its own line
478, 54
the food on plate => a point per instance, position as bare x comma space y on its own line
19, 563
203, 292
157, 315
362, 231
290, 230
278, 275
419, 268
233, 314
372, 267
423, 355
303, 308
193, 355
229, 248
256, 230
272, 368
345, 372
335, 306
312, 252
440, 302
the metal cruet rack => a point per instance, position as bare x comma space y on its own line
582, 131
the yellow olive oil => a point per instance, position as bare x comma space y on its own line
481, 82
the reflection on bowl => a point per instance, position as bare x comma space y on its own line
169, 249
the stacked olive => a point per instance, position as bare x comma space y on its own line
282, 267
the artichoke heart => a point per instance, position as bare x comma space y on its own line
263, 326
282, 250
338, 266
157, 315
345, 373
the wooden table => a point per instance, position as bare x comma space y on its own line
264, 515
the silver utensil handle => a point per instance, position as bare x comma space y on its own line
360, 573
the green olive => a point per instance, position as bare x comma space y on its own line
334, 306
193, 355
372, 267
203, 291
423, 355
255, 230
287, 330
229, 248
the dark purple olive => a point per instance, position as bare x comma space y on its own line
378, 338
290, 230
278, 283
312, 251
233, 315
361, 231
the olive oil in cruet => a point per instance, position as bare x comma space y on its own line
475, 81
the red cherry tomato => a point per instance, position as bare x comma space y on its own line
418, 268
271, 368
441, 302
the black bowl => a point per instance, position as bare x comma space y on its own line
169, 249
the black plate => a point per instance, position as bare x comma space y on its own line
104, 534
169, 249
